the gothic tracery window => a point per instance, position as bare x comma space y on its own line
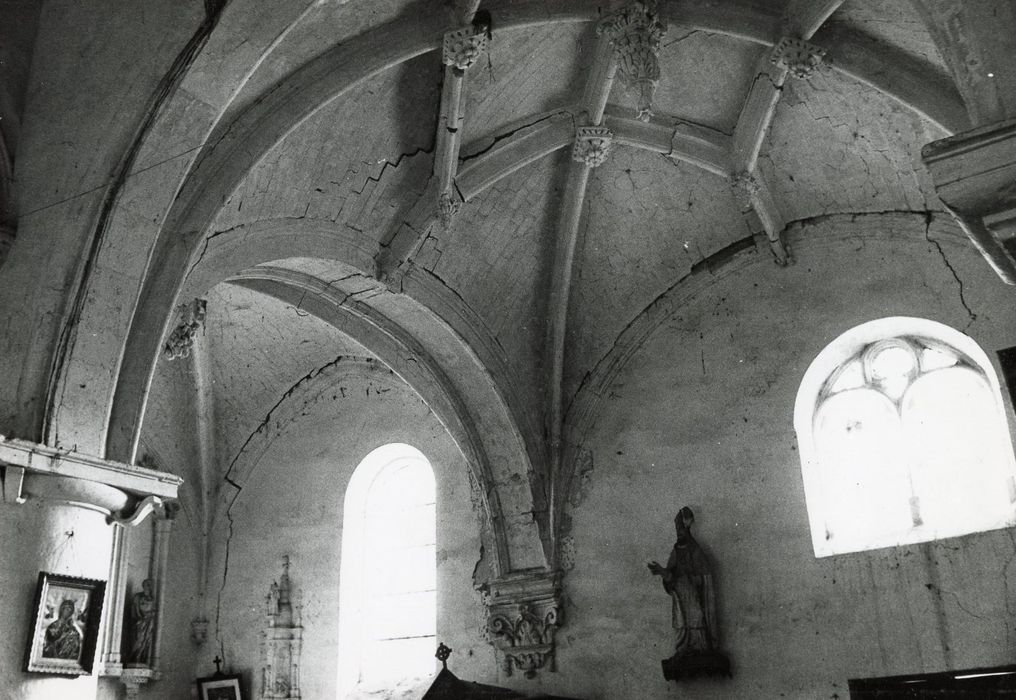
903, 438
387, 596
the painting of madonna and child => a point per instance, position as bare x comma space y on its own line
66, 624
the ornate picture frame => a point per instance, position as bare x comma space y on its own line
221, 687
65, 625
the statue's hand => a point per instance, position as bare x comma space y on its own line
655, 568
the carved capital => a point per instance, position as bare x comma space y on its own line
463, 47
592, 145
181, 340
447, 207
635, 32
523, 614
798, 56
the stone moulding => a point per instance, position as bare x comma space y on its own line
798, 56
635, 32
21, 459
462, 48
592, 145
523, 614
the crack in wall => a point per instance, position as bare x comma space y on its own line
709, 264
508, 134
928, 218
238, 488
386, 164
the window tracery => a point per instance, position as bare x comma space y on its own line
903, 438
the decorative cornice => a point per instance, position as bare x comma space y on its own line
463, 47
133, 679
592, 145
635, 32
34, 457
973, 173
181, 340
523, 614
798, 56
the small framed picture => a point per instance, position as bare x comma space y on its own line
219, 688
65, 625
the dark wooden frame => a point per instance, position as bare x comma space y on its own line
45, 614
970, 684
229, 682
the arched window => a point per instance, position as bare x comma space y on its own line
387, 585
903, 438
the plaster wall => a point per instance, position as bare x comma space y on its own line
290, 502
37, 537
65, 164
702, 416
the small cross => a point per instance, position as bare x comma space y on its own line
217, 661
443, 652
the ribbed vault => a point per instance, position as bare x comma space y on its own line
332, 136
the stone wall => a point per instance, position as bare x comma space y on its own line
291, 503
702, 415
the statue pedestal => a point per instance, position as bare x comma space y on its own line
695, 663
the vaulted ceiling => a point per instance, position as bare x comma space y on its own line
339, 183
331, 187
357, 169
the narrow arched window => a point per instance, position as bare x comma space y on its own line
388, 571
903, 438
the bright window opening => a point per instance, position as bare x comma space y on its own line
387, 587
903, 438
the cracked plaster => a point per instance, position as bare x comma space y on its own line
948, 277
494, 258
530, 70
293, 504
367, 182
693, 65
647, 221
700, 415
259, 344
872, 152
